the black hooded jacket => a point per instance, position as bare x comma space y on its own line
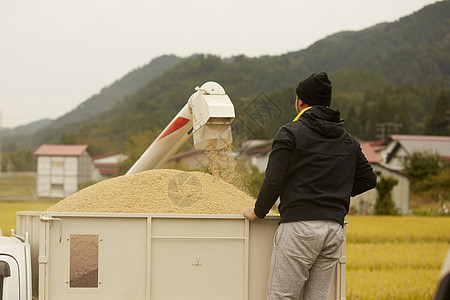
314, 167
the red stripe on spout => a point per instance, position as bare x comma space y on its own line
174, 126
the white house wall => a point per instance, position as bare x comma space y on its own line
43, 176
365, 202
43, 165
385, 152
57, 164
396, 162
84, 168
70, 180
87, 169
260, 162
57, 176
401, 194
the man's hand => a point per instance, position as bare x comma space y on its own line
249, 214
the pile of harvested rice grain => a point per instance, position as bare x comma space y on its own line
160, 191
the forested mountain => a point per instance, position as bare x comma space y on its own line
28, 128
414, 50
386, 75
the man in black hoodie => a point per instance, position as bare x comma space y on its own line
314, 168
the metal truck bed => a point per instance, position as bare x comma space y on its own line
147, 256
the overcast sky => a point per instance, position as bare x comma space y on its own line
55, 54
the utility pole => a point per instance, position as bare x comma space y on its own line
383, 128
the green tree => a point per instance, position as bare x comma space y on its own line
352, 122
438, 122
21, 159
385, 109
404, 117
251, 178
421, 165
429, 174
363, 117
68, 139
441, 184
135, 146
384, 204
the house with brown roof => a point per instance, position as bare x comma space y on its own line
397, 147
257, 153
108, 164
365, 202
61, 169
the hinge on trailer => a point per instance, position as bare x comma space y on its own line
50, 219
196, 261
43, 259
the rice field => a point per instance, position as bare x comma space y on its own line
395, 257
18, 192
8, 212
18, 187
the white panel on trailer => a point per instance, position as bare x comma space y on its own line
202, 258
157, 257
29, 222
261, 242
122, 258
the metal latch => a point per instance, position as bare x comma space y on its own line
196, 261
43, 259
50, 219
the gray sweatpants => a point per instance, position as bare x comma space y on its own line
304, 256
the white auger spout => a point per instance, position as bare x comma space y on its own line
207, 115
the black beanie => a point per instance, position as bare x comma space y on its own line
315, 90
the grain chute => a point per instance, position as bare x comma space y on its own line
207, 115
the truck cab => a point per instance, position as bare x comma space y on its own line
15, 269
